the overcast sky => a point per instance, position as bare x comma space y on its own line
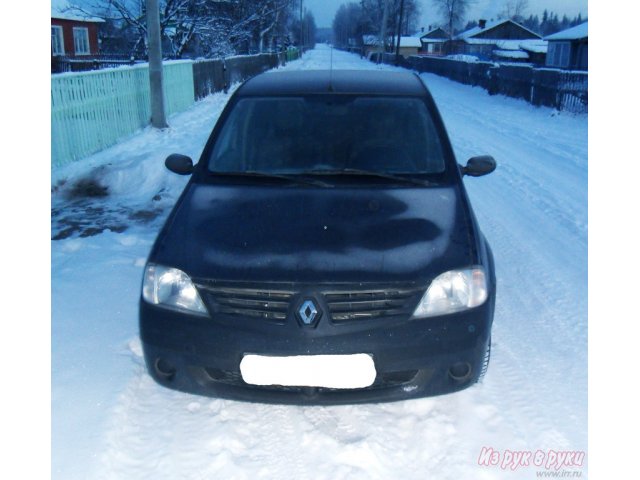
324, 10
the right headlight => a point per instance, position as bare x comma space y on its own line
453, 291
172, 288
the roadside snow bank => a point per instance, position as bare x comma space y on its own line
133, 171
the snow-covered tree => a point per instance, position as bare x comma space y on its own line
353, 20
203, 27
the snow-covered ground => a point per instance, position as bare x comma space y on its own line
111, 421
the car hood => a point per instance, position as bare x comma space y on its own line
317, 235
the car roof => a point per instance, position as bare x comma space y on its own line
366, 82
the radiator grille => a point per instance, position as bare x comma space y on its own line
259, 303
344, 304
368, 304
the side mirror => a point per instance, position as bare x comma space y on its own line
478, 166
180, 164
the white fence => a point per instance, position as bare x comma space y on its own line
94, 110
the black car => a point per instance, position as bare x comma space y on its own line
324, 250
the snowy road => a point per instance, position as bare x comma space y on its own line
111, 421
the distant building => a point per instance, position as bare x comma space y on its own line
503, 40
73, 34
370, 44
408, 46
569, 48
433, 42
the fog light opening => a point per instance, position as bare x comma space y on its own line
460, 371
164, 369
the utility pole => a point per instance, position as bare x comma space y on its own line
158, 118
383, 27
399, 32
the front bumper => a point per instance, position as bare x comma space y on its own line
413, 358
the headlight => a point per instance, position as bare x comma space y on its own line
453, 291
170, 287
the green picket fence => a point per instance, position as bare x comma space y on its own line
94, 110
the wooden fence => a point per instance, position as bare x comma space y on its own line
94, 110
561, 89
62, 64
211, 76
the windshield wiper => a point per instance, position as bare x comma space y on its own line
289, 178
371, 173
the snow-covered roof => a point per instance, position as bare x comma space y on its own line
433, 40
472, 32
410, 42
444, 37
519, 54
61, 9
463, 58
574, 33
534, 46
373, 40
369, 40
519, 49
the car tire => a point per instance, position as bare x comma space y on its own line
485, 362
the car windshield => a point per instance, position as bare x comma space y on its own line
311, 134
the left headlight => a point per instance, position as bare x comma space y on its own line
170, 287
452, 292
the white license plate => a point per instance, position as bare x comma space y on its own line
331, 371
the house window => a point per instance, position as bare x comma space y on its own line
57, 40
81, 40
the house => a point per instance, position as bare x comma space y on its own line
569, 48
73, 34
433, 41
370, 44
408, 46
503, 40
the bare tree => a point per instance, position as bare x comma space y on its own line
515, 9
269, 14
375, 17
347, 23
452, 12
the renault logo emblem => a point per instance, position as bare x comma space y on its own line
308, 312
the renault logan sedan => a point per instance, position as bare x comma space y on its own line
324, 250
